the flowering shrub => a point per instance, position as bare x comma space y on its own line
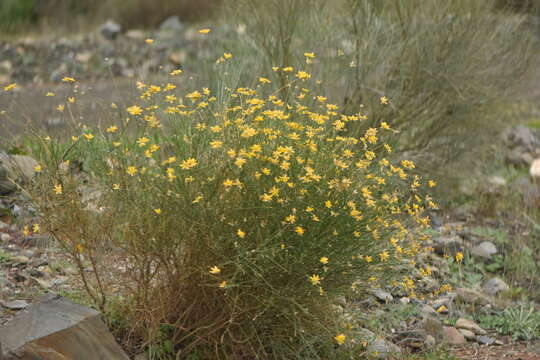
229, 222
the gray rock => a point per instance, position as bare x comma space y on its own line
428, 310
5, 237
521, 136
485, 340
382, 349
485, 249
172, 24
467, 324
471, 296
15, 169
110, 29
518, 157
453, 336
15, 305
56, 328
495, 285
382, 295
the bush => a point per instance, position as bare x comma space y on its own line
445, 65
14, 13
228, 223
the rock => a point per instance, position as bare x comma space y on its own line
382, 349
484, 250
15, 169
518, 157
172, 24
485, 340
467, 324
495, 285
471, 296
15, 305
453, 336
56, 328
20, 259
521, 136
382, 295
427, 310
534, 171
3, 226
83, 57
135, 34
110, 29
448, 245
414, 338
5, 237
433, 327
468, 334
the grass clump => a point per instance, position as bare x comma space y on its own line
228, 222
521, 322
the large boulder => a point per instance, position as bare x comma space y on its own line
55, 328
15, 169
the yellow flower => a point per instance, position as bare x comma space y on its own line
68, 79
204, 31
216, 144
441, 309
432, 183
384, 100
302, 75
116, 186
241, 234
142, 141
131, 170
26, 230
459, 257
328, 204
71, 100
369, 259
35, 228
134, 110
288, 69
315, 279
188, 163
384, 255
88, 136
176, 72
227, 55
49, 93
264, 80
60, 108
112, 129
223, 284
149, 41
38, 168
157, 211
240, 162
324, 260
309, 55
215, 270
58, 189
340, 338
299, 230
10, 87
